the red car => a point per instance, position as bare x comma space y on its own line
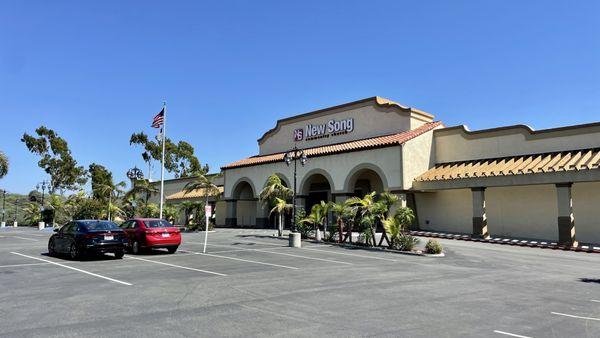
151, 233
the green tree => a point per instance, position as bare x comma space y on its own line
188, 208
365, 211
101, 179
32, 213
270, 197
143, 188
3, 164
281, 207
397, 225
342, 212
56, 159
170, 213
179, 158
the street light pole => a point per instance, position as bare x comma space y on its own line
3, 207
294, 155
134, 174
16, 212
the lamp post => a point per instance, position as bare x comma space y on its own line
15, 224
3, 207
134, 174
43, 184
293, 156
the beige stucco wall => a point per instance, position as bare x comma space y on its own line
220, 212
446, 210
418, 155
586, 209
455, 145
523, 211
369, 120
339, 167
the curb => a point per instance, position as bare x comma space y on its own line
381, 249
508, 241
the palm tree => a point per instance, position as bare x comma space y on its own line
342, 211
187, 207
57, 204
364, 209
203, 183
273, 191
142, 187
396, 226
388, 200
113, 191
281, 207
315, 217
3, 164
32, 213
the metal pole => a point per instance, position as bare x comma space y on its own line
109, 202
162, 169
206, 218
16, 209
3, 204
294, 229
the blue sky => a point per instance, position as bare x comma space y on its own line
98, 71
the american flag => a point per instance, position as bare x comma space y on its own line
159, 119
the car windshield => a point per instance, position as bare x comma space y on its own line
99, 225
159, 223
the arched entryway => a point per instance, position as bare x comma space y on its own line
246, 203
365, 179
316, 187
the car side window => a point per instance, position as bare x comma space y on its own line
135, 225
125, 225
65, 228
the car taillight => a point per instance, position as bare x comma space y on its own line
90, 235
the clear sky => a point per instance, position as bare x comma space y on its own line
97, 71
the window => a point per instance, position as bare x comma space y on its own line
159, 223
100, 225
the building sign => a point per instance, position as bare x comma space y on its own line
325, 130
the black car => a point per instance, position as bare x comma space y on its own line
78, 238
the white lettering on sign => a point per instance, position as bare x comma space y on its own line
332, 127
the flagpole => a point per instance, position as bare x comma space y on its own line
162, 167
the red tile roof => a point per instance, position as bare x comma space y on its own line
364, 144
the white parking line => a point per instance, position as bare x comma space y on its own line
244, 260
349, 254
573, 316
511, 334
595, 301
287, 254
72, 268
28, 264
178, 266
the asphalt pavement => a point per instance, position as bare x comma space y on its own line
252, 284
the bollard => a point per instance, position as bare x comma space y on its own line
15, 224
41, 225
3, 224
295, 240
318, 235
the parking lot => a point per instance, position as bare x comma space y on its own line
251, 284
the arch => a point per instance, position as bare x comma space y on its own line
304, 188
283, 178
240, 189
365, 169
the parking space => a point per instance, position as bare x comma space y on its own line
249, 283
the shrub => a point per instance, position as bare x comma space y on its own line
304, 228
433, 247
406, 242
332, 233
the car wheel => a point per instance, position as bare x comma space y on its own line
119, 254
74, 251
135, 247
172, 249
51, 250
